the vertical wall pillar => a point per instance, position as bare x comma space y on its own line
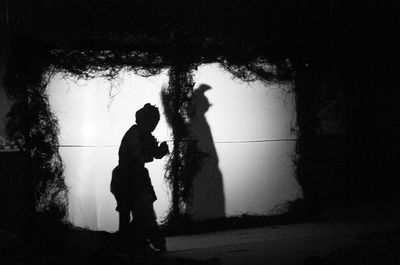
306, 85
180, 90
32, 123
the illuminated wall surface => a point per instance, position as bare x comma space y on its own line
242, 175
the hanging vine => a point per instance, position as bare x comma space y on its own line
32, 124
185, 160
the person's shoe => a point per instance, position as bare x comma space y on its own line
162, 248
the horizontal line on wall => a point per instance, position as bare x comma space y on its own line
216, 142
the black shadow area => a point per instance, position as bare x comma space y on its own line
208, 190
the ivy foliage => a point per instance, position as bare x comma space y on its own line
32, 124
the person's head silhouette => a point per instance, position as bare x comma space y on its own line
147, 117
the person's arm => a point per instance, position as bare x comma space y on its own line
161, 150
132, 149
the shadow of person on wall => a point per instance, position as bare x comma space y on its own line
208, 192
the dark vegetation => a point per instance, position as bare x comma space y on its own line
340, 55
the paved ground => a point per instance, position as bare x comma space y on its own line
283, 245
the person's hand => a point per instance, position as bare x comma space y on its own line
164, 148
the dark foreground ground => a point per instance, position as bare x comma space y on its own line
356, 235
336, 242
363, 234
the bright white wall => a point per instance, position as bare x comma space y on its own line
255, 176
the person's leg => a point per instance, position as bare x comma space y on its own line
145, 221
124, 220
123, 234
149, 222
154, 234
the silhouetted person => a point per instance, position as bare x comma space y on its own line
208, 191
131, 184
